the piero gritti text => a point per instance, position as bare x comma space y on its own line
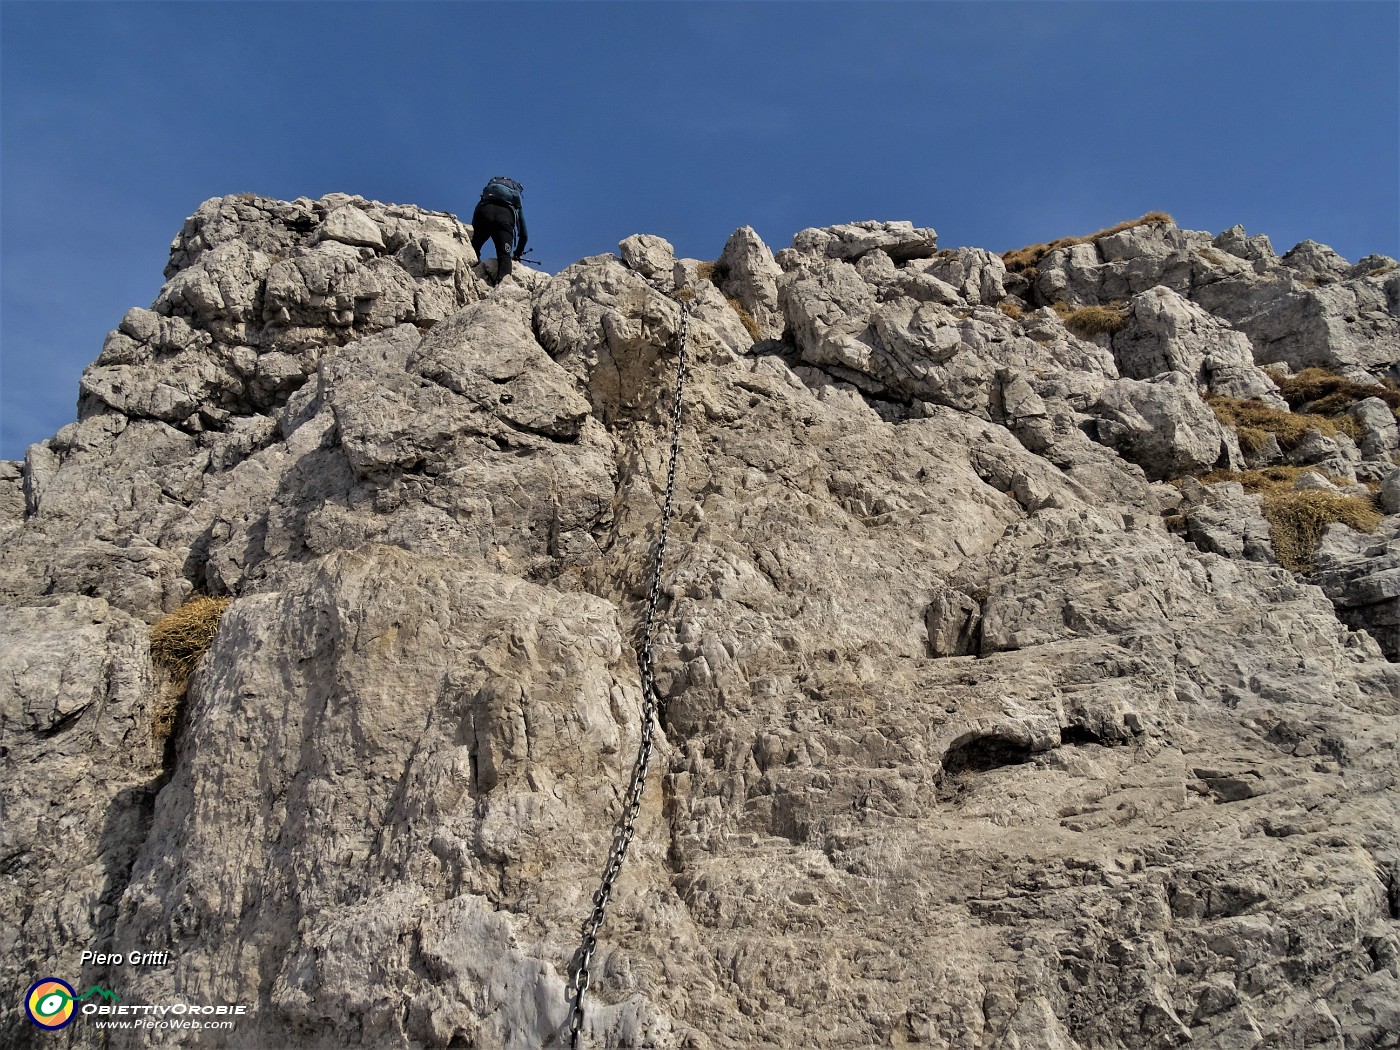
128, 959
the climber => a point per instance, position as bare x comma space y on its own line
498, 217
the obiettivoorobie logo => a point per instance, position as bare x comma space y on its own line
49, 1003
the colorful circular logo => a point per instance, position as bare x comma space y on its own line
49, 1003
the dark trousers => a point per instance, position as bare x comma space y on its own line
496, 223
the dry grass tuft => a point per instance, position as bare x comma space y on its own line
1266, 480
1253, 440
1299, 520
1329, 392
1089, 321
1023, 259
178, 642
711, 271
1010, 309
1289, 427
750, 325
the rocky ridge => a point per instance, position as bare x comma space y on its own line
988, 722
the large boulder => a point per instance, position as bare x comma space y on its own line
1165, 332
1161, 424
746, 272
901, 241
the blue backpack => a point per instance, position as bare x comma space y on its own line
502, 190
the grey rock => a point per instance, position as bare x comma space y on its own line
1266, 453
1166, 332
746, 271
1115, 268
901, 241
961, 745
1390, 493
1342, 325
1309, 309
710, 306
488, 354
77, 699
349, 225
1222, 519
1312, 481
1318, 449
1316, 261
649, 255
435, 253
976, 275
1379, 435
12, 501
856, 322
1361, 575
1160, 424
1239, 244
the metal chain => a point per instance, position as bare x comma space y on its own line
651, 704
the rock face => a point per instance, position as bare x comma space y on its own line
962, 745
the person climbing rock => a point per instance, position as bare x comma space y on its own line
500, 218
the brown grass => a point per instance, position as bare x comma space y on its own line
178, 642
711, 271
1266, 480
1089, 321
1022, 259
1253, 441
1010, 309
1331, 392
1299, 520
750, 325
1289, 427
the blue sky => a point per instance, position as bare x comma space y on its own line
997, 123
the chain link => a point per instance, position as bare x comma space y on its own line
651, 705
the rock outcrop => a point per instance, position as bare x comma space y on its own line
985, 725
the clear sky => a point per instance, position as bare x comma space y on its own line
997, 123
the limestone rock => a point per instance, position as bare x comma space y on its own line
257, 289
1338, 326
1239, 244
1222, 519
977, 276
1334, 454
1361, 575
1390, 493
650, 256
1316, 262
709, 305
1308, 309
82, 773
1168, 333
857, 322
1117, 267
848, 242
962, 744
747, 272
1379, 434
349, 225
1161, 424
